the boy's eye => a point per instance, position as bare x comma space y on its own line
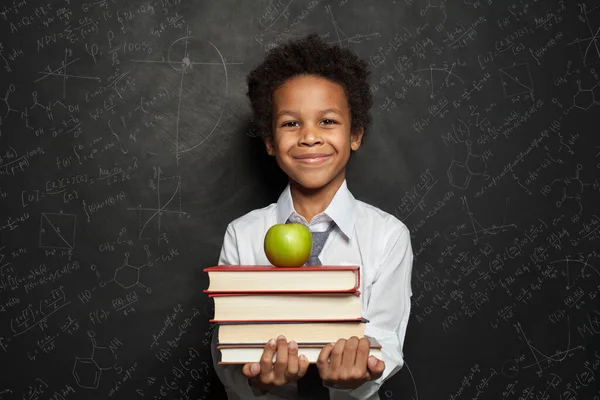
289, 123
329, 121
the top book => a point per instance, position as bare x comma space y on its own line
262, 278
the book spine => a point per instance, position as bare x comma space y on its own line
275, 291
303, 293
283, 321
270, 268
364, 320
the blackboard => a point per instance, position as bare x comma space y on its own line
126, 146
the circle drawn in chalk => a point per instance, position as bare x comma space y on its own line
510, 369
209, 308
198, 95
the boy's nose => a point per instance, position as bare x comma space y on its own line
310, 135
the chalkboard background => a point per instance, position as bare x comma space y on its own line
126, 146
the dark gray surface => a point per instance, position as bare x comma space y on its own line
126, 149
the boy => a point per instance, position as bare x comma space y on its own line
311, 103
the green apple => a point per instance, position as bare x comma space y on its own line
288, 245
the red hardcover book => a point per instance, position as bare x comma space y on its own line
266, 279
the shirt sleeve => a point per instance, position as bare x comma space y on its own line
235, 382
388, 310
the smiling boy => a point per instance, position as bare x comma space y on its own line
311, 102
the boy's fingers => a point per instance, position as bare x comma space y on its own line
362, 353
335, 362
323, 359
251, 370
292, 362
281, 359
266, 360
302, 365
349, 355
376, 367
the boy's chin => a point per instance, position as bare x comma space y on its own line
310, 184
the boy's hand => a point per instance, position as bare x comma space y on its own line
349, 364
288, 366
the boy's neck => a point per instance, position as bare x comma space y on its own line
311, 202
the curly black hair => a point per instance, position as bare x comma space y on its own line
309, 55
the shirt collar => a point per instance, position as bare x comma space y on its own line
341, 209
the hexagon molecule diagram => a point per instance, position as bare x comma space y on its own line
127, 275
87, 371
460, 173
585, 99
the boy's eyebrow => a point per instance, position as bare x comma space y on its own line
325, 111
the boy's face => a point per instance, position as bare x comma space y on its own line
311, 117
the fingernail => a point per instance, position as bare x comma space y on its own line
280, 337
271, 342
372, 361
303, 357
255, 368
292, 345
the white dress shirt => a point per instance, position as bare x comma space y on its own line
364, 235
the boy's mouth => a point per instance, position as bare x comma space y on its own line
313, 159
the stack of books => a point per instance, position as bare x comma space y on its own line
313, 306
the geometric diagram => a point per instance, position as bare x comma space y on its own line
444, 81
87, 371
460, 172
582, 277
576, 286
589, 47
516, 80
478, 228
128, 276
584, 99
62, 72
544, 360
205, 95
160, 208
57, 231
339, 33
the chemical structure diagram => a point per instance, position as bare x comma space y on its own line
127, 275
571, 188
460, 173
87, 371
583, 99
60, 72
11, 89
23, 112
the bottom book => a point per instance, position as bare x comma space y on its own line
242, 353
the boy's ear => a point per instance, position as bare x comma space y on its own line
269, 145
356, 138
